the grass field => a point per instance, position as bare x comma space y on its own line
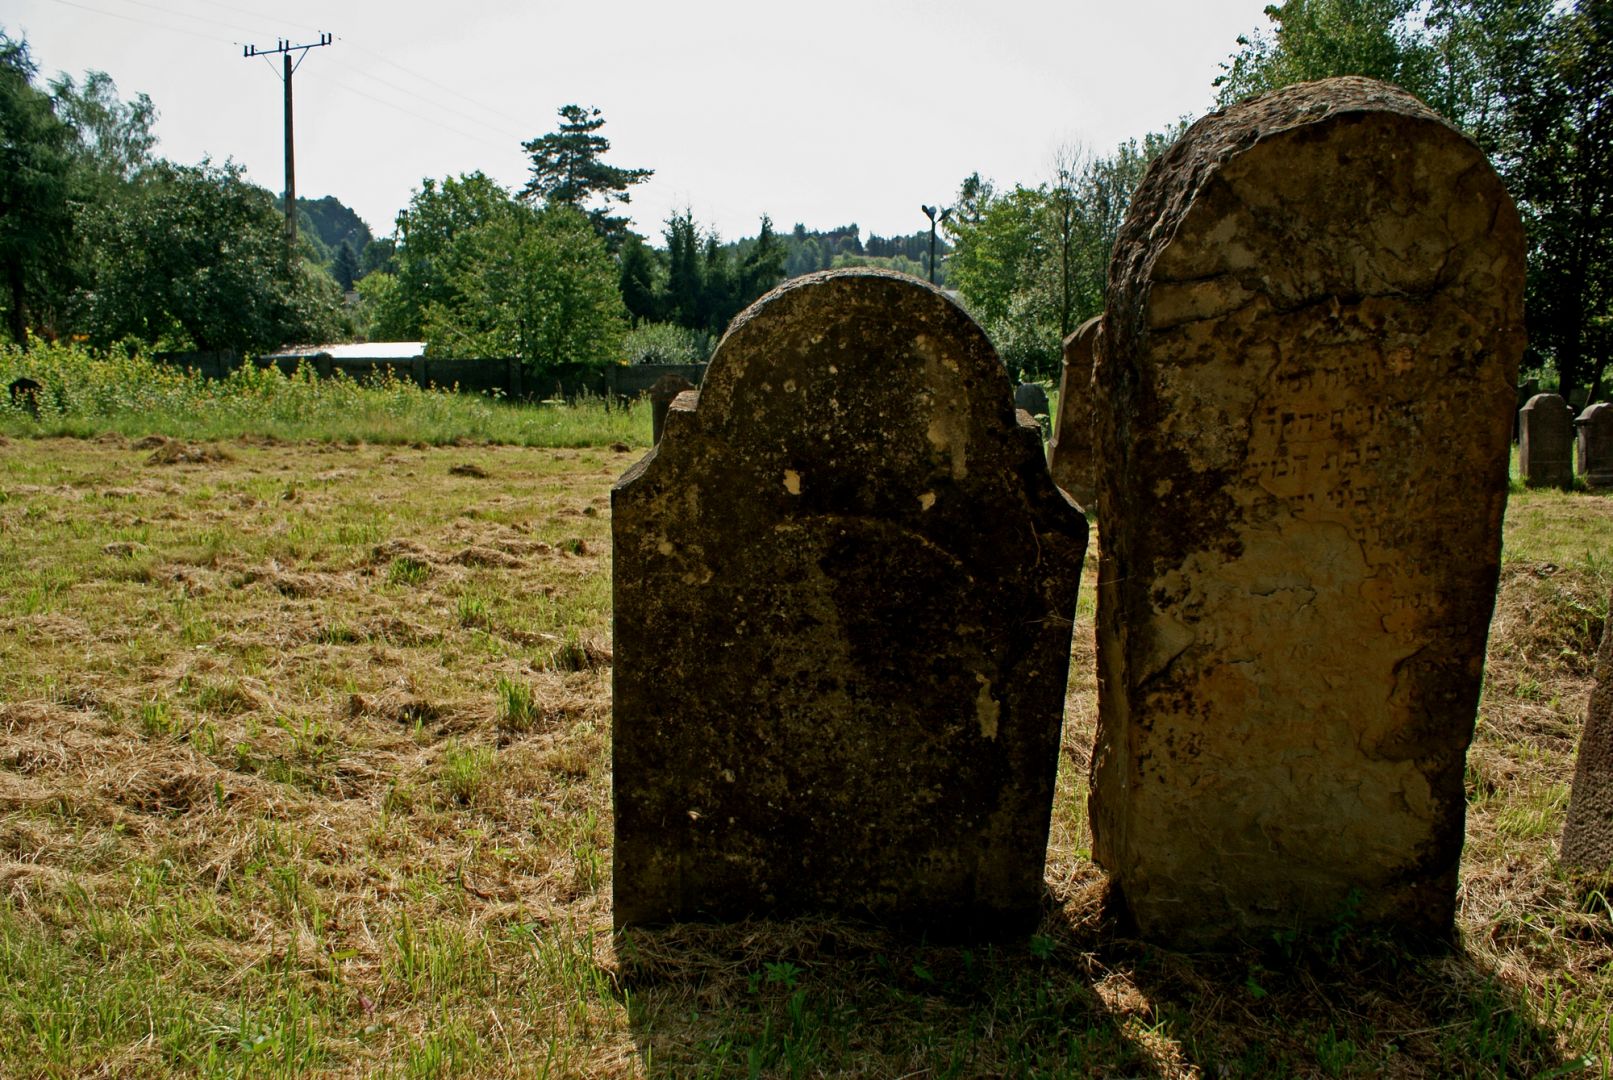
304, 770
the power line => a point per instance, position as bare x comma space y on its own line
351, 89
495, 129
420, 76
428, 79
144, 22
188, 15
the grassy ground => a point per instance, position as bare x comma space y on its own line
304, 770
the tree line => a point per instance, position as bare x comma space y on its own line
1531, 81
102, 240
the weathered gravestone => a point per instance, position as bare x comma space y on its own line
1588, 834
1546, 442
662, 394
844, 585
1032, 398
1305, 394
1526, 390
1070, 457
1594, 445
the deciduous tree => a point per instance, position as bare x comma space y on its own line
36, 215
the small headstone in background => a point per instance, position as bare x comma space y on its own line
666, 388
1594, 445
843, 592
1546, 442
1070, 456
1526, 390
1588, 833
1033, 399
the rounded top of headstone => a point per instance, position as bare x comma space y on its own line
1600, 412
1546, 401
1299, 172
854, 355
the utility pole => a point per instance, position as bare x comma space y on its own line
286, 48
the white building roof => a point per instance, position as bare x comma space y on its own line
367, 350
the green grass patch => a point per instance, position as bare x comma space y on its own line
86, 394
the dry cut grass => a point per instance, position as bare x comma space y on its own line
304, 770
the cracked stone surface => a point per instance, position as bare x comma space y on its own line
844, 585
1588, 833
1305, 395
1070, 455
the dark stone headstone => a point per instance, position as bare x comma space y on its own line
1594, 443
844, 585
1305, 394
662, 393
1588, 834
24, 394
1070, 456
1031, 397
1546, 442
1526, 390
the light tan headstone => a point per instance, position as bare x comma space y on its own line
1305, 396
1070, 456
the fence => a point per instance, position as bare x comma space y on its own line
504, 376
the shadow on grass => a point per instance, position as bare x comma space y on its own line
820, 997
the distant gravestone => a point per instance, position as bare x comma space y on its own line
1305, 390
1546, 442
843, 592
1070, 456
1526, 390
24, 394
662, 394
1032, 398
1588, 834
1594, 443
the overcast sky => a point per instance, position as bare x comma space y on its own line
824, 112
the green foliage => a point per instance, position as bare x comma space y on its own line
36, 214
1315, 39
87, 392
1558, 159
383, 314
1531, 81
345, 267
428, 260
538, 285
193, 256
707, 282
568, 167
637, 279
665, 343
1032, 263
113, 137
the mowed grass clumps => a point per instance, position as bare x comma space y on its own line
304, 770
84, 394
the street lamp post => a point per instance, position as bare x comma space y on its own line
930, 212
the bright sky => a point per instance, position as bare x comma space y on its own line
825, 112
